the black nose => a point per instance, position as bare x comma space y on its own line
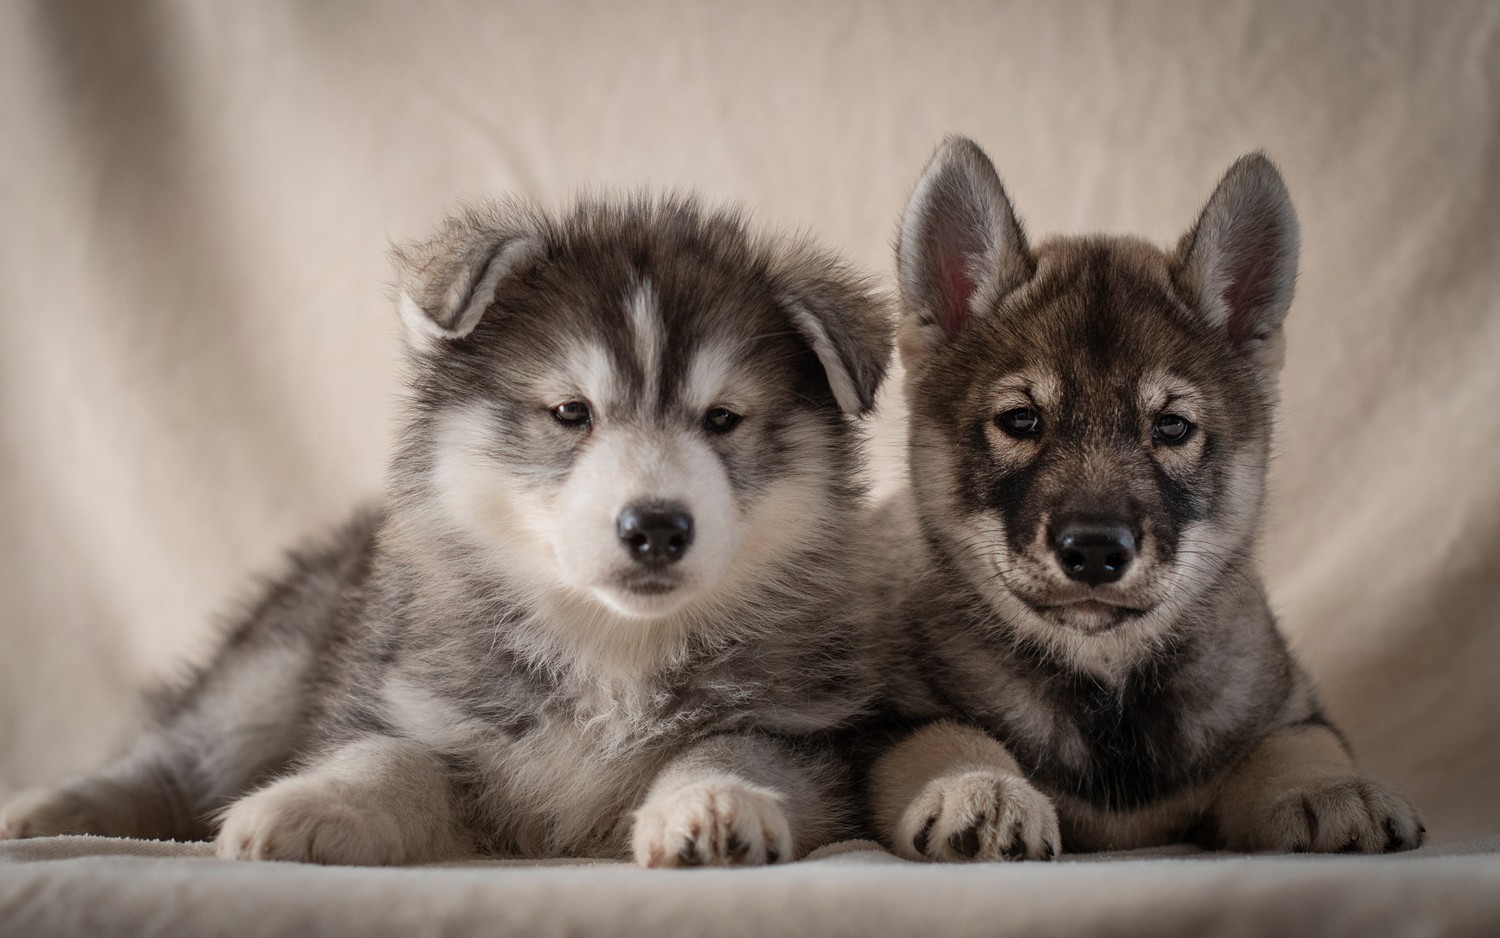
655, 534
1094, 552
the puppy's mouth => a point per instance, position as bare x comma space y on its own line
1088, 615
645, 595
650, 586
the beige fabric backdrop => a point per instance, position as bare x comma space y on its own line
196, 358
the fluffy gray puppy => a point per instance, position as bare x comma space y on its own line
605, 605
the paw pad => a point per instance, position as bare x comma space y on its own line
979, 815
716, 823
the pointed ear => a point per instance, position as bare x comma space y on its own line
960, 247
1238, 264
446, 282
843, 318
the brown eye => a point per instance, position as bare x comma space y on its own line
574, 415
1020, 422
1172, 429
721, 420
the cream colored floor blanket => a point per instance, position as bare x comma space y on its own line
94, 886
197, 364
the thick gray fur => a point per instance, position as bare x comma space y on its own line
427, 682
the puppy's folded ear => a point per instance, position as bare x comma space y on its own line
843, 318
446, 282
1238, 264
960, 247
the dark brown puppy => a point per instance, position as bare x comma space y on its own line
1090, 424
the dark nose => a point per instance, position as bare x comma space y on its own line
655, 534
1094, 552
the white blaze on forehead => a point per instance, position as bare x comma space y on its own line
588, 373
710, 376
647, 331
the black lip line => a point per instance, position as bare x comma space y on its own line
656, 588
1124, 612
1127, 611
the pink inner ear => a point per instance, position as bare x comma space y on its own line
955, 289
958, 286
1246, 295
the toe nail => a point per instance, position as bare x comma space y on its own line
965, 843
971, 842
923, 835
1392, 836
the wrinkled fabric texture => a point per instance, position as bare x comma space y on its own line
199, 364
101, 887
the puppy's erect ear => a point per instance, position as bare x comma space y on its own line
447, 281
842, 317
1238, 264
960, 248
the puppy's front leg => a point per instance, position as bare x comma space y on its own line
951, 792
376, 801
1298, 791
738, 800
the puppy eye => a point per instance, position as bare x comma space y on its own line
1172, 429
573, 414
721, 420
1020, 422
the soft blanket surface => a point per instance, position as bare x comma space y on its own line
98, 886
198, 366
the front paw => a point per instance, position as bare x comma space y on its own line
1330, 814
308, 821
979, 815
722, 822
47, 812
